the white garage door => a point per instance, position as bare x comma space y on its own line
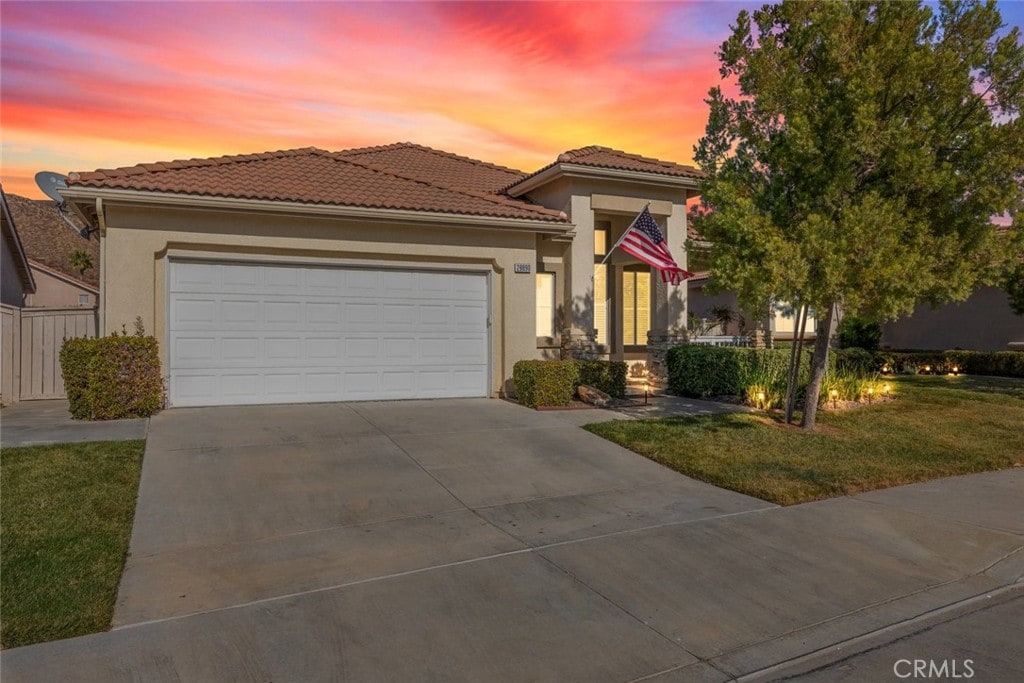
247, 333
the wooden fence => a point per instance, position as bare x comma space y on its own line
30, 341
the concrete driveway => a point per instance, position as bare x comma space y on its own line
477, 540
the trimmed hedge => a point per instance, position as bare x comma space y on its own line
113, 377
75, 355
545, 382
999, 363
554, 382
607, 375
702, 371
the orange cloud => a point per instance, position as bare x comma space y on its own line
87, 85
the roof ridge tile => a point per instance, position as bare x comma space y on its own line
432, 150
493, 198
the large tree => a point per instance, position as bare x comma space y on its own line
860, 160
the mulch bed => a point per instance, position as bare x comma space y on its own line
580, 405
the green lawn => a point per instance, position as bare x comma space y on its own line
938, 426
65, 519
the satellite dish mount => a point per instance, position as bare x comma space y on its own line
51, 183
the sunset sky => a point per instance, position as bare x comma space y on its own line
88, 85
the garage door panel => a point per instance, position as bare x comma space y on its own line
278, 349
195, 313
470, 317
399, 315
324, 349
323, 313
282, 278
469, 286
187, 277
361, 313
358, 280
246, 333
240, 349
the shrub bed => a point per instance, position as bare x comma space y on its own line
703, 371
113, 377
554, 382
606, 375
998, 363
545, 382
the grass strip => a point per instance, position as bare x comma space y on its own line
66, 514
937, 427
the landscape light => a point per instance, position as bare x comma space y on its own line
885, 388
834, 393
871, 393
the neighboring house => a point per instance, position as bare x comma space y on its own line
384, 272
17, 285
55, 289
780, 325
49, 243
41, 306
983, 322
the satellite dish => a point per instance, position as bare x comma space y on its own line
50, 182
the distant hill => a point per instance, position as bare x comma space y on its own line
48, 239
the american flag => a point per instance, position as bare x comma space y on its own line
645, 241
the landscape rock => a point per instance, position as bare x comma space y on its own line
594, 397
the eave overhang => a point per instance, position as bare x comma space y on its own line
89, 195
569, 170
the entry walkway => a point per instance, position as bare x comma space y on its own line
33, 423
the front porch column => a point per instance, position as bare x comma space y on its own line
668, 320
578, 336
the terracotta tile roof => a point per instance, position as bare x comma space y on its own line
434, 165
48, 240
605, 157
311, 176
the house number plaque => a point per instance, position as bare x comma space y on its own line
522, 268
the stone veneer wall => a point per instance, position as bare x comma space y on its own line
658, 345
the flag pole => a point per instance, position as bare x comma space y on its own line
624, 233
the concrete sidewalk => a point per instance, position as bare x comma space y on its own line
33, 423
476, 540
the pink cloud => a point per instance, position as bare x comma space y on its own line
513, 83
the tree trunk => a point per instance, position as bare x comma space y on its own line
819, 363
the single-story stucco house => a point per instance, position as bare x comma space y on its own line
386, 272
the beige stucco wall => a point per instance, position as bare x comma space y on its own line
140, 241
984, 322
54, 292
